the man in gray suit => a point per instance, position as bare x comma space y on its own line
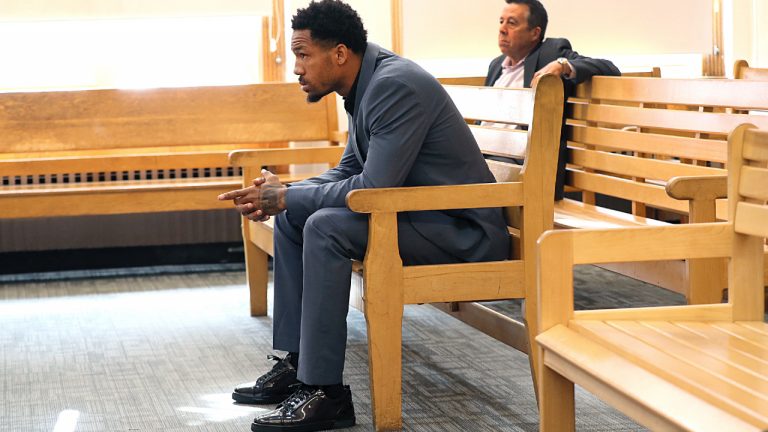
404, 130
526, 56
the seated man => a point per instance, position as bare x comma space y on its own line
404, 130
526, 56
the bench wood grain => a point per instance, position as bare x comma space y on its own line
104, 152
686, 368
628, 138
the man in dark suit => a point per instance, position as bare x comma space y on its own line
526, 56
404, 130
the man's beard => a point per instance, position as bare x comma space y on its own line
315, 97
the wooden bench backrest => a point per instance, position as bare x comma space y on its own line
469, 81
127, 133
742, 70
628, 136
655, 72
524, 124
748, 209
116, 119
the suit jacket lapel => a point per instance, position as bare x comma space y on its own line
352, 139
531, 66
495, 71
366, 73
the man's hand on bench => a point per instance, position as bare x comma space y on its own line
258, 202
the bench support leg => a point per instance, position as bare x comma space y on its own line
557, 411
706, 277
257, 273
385, 363
383, 303
706, 280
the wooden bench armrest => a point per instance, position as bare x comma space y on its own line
698, 187
559, 251
658, 243
285, 156
387, 200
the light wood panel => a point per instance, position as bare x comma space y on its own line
753, 149
98, 119
696, 92
313, 155
470, 81
742, 70
627, 385
123, 198
384, 200
629, 136
397, 26
273, 44
678, 120
627, 189
672, 146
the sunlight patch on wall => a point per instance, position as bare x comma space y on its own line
130, 53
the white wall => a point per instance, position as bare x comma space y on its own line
452, 37
130, 53
760, 32
745, 23
76, 9
737, 32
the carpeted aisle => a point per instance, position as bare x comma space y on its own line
162, 352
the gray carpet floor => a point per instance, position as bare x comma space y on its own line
162, 352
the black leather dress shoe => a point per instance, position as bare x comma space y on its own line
308, 409
272, 387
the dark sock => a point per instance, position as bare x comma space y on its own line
334, 391
293, 359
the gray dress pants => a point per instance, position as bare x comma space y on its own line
312, 271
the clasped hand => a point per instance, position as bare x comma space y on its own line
258, 202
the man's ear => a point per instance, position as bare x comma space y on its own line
537, 33
341, 54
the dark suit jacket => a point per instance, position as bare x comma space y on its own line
546, 52
406, 131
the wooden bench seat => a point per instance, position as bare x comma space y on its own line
676, 368
388, 285
109, 152
576, 214
628, 138
678, 383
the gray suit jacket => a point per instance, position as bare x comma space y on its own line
406, 131
546, 52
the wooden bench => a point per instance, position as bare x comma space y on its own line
654, 72
742, 70
106, 152
628, 137
388, 285
692, 368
